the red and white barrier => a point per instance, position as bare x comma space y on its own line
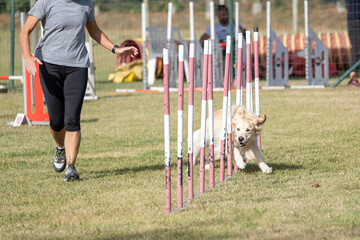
34, 113
11, 77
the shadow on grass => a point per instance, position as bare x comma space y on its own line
250, 168
89, 120
176, 233
118, 95
254, 168
123, 171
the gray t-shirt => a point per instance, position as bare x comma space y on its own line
63, 40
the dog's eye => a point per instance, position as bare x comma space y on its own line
238, 129
248, 130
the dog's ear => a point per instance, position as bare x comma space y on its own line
240, 110
259, 122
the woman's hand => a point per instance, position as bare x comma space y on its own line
30, 64
123, 51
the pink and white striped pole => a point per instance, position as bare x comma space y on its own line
239, 74
228, 128
180, 128
224, 110
203, 117
211, 119
239, 78
257, 87
249, 101
191, 122
167, 131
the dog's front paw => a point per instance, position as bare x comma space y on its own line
268, 170
241, 164
207, 166
265, 168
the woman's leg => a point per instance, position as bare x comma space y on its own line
74, 91
72, 144
52, 82
59, 137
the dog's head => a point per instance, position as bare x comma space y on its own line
246, 127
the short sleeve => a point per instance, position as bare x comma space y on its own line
39, 9
207, 31
91, 16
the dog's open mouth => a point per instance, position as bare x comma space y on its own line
243, 144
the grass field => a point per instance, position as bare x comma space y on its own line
311, 139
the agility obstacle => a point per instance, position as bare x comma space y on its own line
256, 73
216, 51
249, 87
11, 77
90, 87
34, 111
198, 57
180, 126
239, 43
191, 122
206, 98
164, 36
319, 58
239, 71
211, 118
203, 117
277, 74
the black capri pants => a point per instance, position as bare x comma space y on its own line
64, 89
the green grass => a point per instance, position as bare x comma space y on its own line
310, 137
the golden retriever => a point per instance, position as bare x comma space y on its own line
245, 127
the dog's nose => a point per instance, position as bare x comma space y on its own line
241, 139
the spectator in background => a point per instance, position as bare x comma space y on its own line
222, 28
353, 24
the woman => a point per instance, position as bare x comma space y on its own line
63, 61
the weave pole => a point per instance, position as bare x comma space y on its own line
180, 128
191, 122
203, 117
211, 119
249, 101
257, 87
167, 131
224, 110
239, 75
228, 127
239, 78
